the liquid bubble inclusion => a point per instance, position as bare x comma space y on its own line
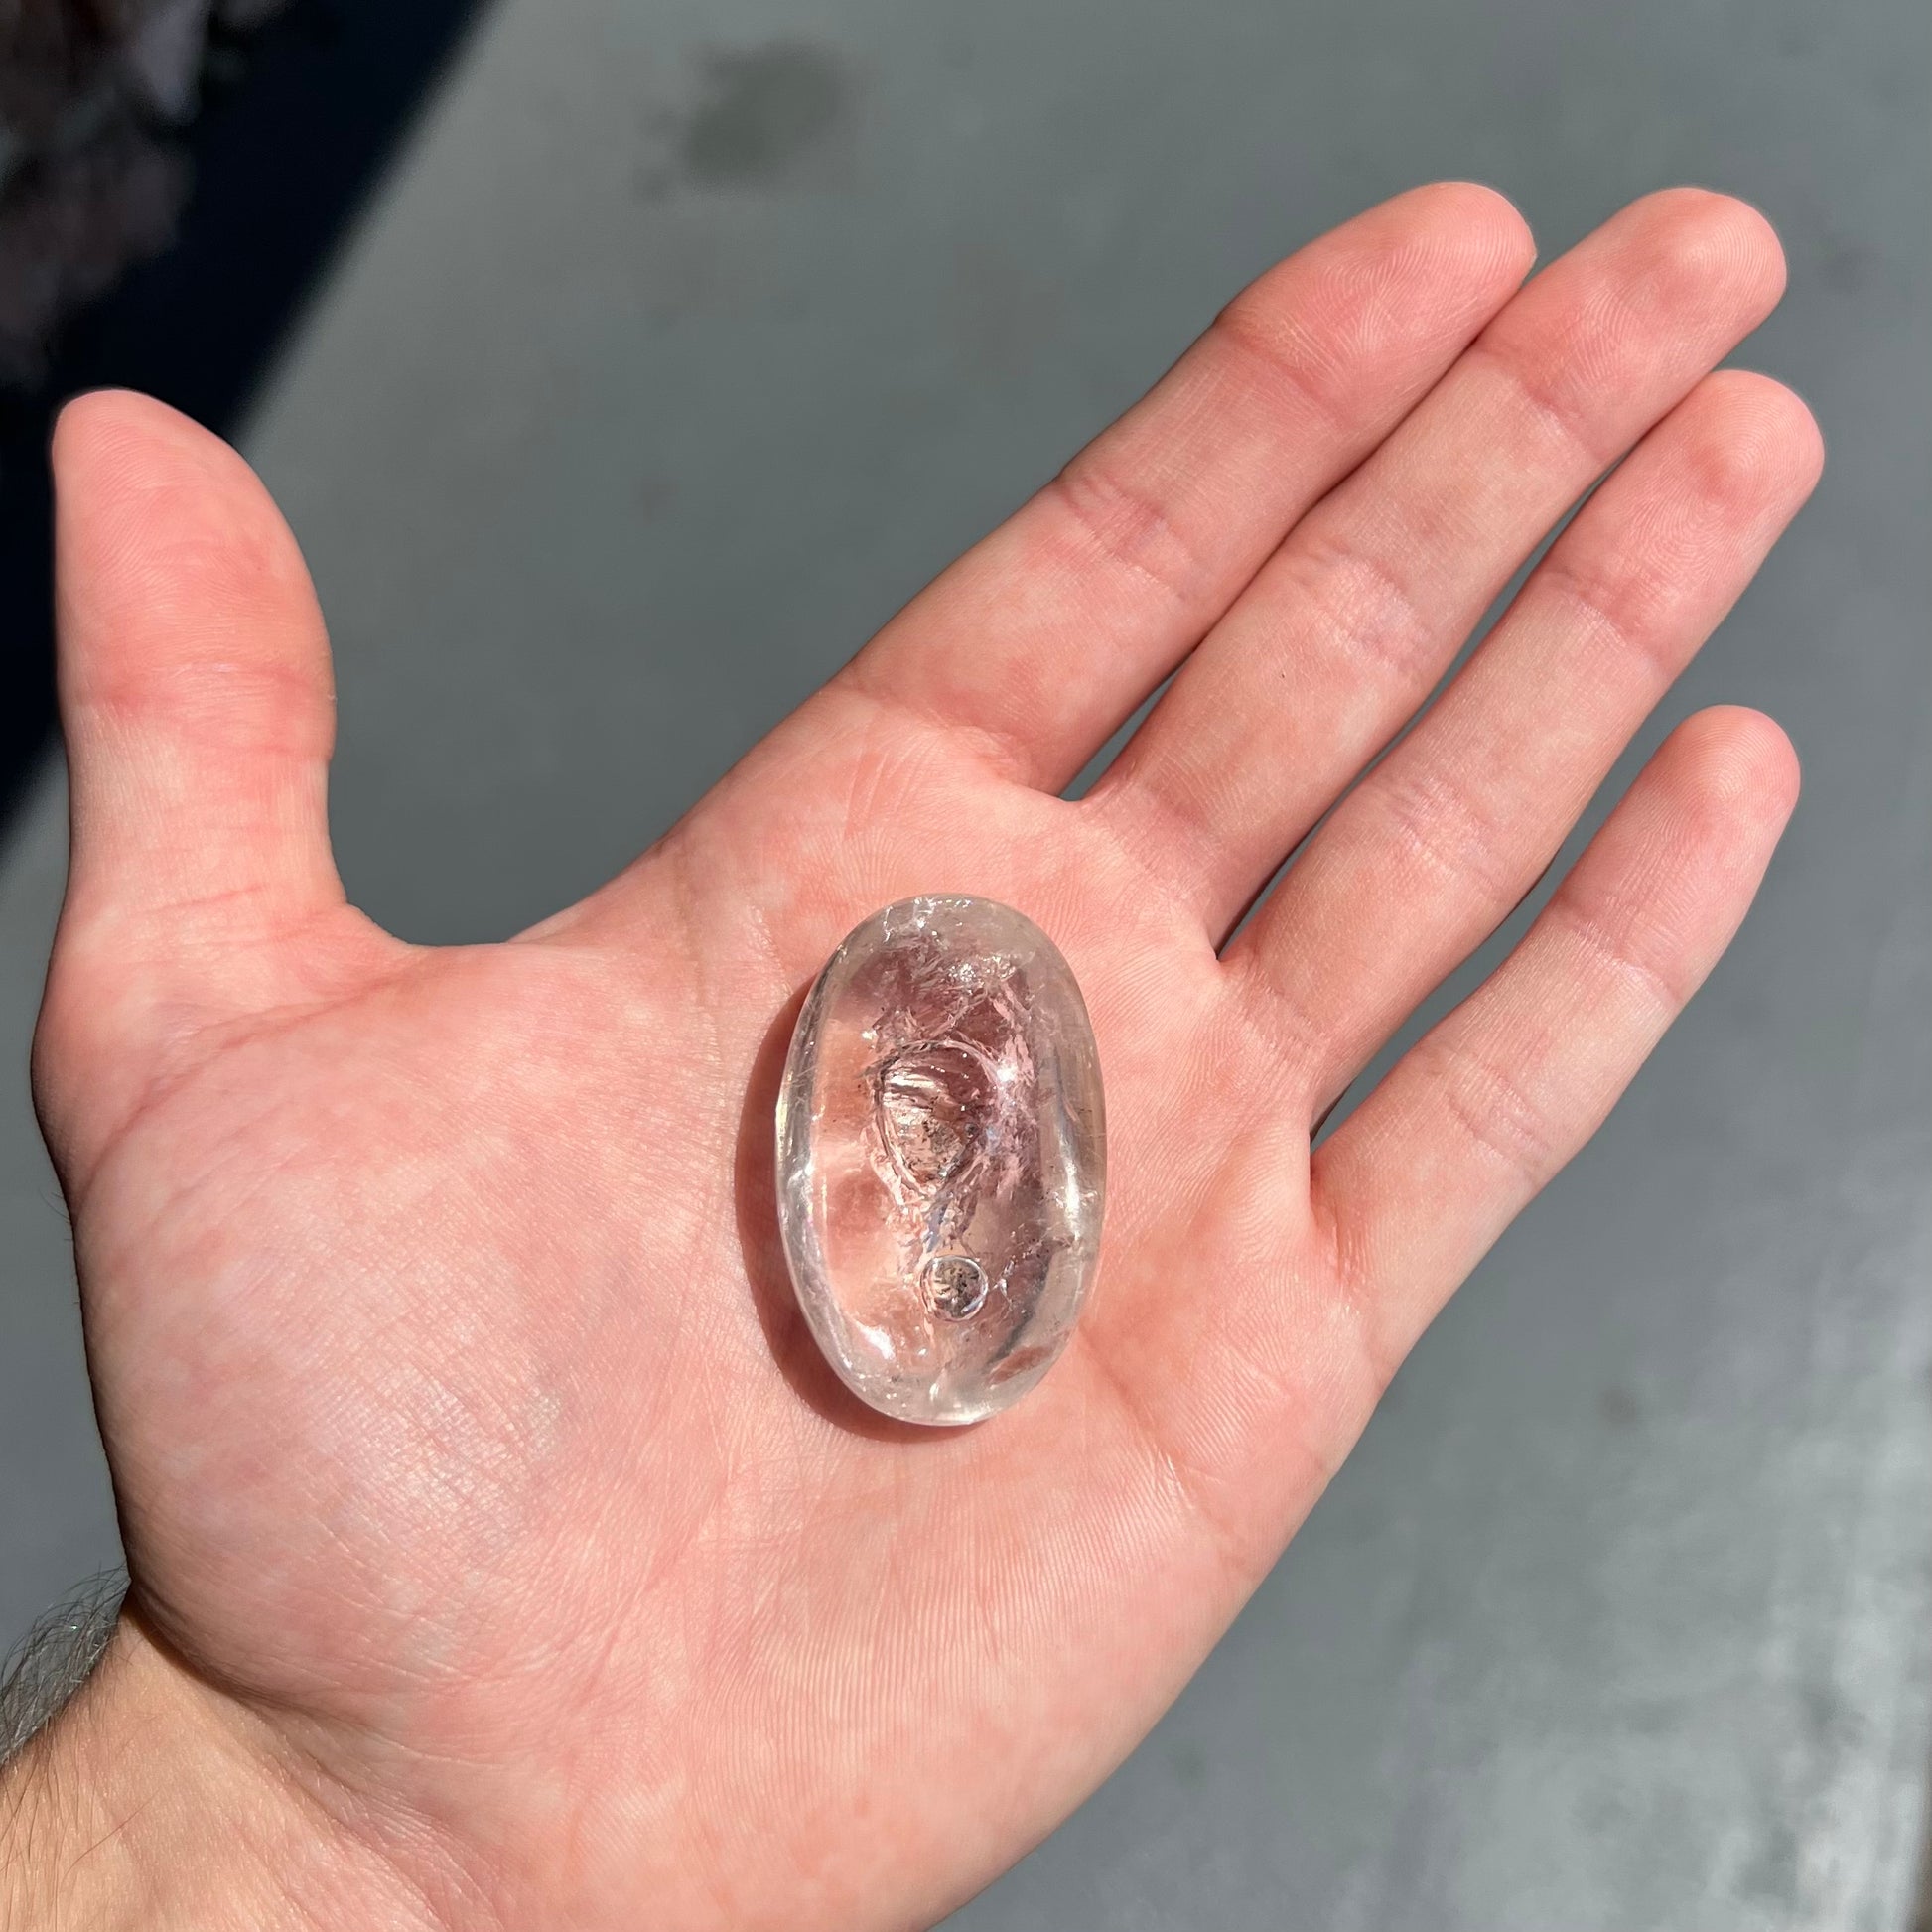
943, 1158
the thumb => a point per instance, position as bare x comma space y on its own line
199, 714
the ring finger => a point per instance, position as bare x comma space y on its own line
1428, 854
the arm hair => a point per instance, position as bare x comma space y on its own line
54, 1658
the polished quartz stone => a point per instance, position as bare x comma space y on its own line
943, 1158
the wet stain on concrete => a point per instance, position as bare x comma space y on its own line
763, 113
1619, 1408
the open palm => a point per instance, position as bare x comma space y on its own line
479, 1482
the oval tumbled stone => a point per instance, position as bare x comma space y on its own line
943, 1158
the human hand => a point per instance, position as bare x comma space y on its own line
501, 1552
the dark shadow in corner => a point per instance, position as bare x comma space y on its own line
283, 164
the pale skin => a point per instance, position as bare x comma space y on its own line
502, 1555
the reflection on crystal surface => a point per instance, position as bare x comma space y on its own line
943, 1158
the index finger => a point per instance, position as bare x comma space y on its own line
1044, 638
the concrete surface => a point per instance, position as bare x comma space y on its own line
691, 338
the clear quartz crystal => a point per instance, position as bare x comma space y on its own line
943, 1158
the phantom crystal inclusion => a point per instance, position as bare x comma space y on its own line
942, 1159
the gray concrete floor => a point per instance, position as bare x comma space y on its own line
690, 339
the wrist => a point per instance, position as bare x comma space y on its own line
154, 1801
